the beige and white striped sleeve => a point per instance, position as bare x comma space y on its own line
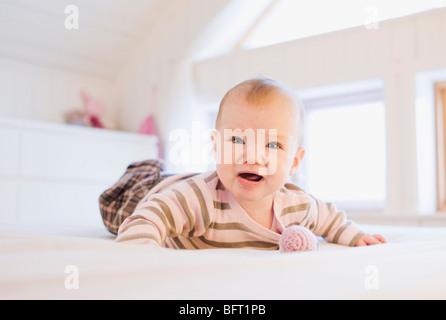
332, 224
183, 210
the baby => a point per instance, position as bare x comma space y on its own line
247, 202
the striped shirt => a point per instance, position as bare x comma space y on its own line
197, 212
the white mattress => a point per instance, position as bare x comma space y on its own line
39, 262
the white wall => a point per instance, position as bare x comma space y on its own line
44, 62
395, 52
41, 93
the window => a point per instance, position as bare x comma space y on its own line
346, 151
287, 20
440, 115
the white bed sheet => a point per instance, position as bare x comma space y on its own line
39, 262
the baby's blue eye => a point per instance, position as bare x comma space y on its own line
273, 145
237, 140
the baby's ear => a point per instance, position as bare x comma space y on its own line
215, 138
300, 153
216, 144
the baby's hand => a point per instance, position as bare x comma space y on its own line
368, 239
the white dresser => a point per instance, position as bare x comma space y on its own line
54, 173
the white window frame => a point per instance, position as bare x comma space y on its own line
426, 140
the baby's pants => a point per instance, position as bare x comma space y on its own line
118, 202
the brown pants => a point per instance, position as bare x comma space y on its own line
118, 202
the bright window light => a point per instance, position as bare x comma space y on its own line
346, 155
293, 19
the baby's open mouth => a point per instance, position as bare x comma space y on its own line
250, 176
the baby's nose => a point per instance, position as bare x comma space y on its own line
256, 155
261, 158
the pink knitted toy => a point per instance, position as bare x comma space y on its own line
297, 238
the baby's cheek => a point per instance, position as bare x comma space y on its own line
270, 167
238, 154
229, 153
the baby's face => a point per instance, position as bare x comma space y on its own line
256, 146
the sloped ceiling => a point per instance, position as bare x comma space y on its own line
34, 31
